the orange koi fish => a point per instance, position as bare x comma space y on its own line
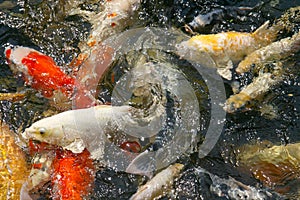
42, 73
73, 175
229, 47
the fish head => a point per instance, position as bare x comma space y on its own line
51, 131
14, 58
44, 131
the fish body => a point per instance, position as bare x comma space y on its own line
273, 53
276, 51
228, 47
159, 183
40, 71
76, 130
13, 165
276, 166
73, 175
65, 170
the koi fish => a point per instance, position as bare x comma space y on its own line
228, 47
42, 73
13, 165
73, 175
114, 18
202, 20
76, 130
64, 169
276, 166
274, 52
158, 184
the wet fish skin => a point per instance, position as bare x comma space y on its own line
229, 47
159, 183
39, 70
276, 51
75, 130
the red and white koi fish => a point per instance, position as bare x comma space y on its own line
42, 73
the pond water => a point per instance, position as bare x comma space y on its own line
45, 26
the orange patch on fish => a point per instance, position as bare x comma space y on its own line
73, 175
46, 75
110, 15
131, 146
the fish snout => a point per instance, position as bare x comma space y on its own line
25, 136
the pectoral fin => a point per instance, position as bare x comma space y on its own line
77, 146
224, 67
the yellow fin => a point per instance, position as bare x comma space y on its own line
265, 34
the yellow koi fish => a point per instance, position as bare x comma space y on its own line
13, 166
228, 47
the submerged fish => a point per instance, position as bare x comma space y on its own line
202, 20
275, 166
159, 184
228, 47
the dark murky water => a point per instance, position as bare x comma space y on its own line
43, 25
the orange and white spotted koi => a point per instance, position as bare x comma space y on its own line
41, 73
114, 18
228, 47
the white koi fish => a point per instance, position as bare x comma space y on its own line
76, 130
158, 185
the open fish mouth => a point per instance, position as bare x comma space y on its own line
38, 146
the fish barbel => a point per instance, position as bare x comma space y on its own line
76, 130
229, 47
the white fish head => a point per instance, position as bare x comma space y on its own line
14, 58
45, 131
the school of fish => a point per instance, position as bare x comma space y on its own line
76, 141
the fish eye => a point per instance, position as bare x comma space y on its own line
42, 131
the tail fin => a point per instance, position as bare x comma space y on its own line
267, 34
